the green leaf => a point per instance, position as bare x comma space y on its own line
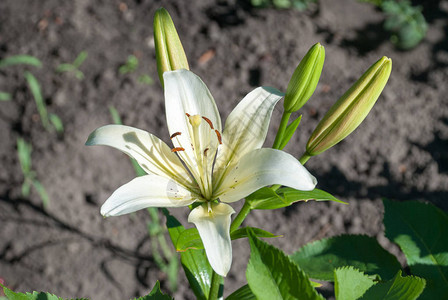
194, 262
289, 132
272, 275
145, 79
318, 259
80, 59
399, 288
190, 239
421, 231
65, 68
115, 115
28, 296
267, 198
20, 60
243, 293
5, 96
156, 294
42, 192
350, 283
37, 94
130, 65
24, 153
57, 123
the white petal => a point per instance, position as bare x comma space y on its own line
264, 167
214, 228
147, 191
152, 154
185, 93
246, 128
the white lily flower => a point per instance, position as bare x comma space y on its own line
206, 164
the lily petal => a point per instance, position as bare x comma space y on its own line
186, 94
213, 225
246, 128
147, 191
264, 167
152, 154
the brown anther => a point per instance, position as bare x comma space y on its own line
219, 136
209, 122
187, 114
205, 151
177, 149
175, 134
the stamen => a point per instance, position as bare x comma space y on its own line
209, 207
175, 134
219, 136
188, 115
177, 149
205, 151
209, 122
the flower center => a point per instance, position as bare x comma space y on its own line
197, 148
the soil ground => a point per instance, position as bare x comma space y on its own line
399, 152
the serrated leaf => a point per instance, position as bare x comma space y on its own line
267, 198
28, 296
350, 283
318, 259
194, 262
399, 288
20, 60
289, 132
155, 294
190, 239
272, 275
243, 293
421, 231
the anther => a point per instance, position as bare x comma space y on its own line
205, 151
177, 149
209, 122
187, 114
175, 134
219, 136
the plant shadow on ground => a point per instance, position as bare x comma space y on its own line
142, 263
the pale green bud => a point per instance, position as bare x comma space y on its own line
351, 109
170, 54
305, 78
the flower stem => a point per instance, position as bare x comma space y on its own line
304, 158
245, 210
281, 130
215, 286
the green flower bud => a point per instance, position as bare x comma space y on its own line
351, 109
305, 78
170, 54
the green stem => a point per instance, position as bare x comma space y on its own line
281, 129
304, 158
245, 210
214, 286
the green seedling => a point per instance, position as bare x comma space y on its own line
24, 150
20, 60
5, 96
130, 65
74, 67
300, 5
145, 79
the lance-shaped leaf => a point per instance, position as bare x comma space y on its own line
289, 132
170, 54
190, 239
319, 259
351, 109
272, 275
267, 198
243, 293
421, 231
305, 78
194, 262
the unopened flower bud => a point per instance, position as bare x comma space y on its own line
351, 109
305, 78
170, 54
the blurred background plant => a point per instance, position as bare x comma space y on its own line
74, 66
405, 23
